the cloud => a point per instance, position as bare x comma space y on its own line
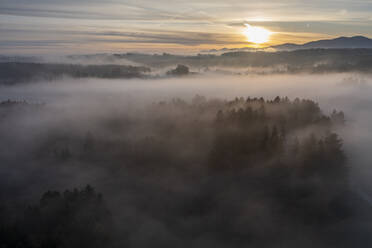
105, 38
201, 18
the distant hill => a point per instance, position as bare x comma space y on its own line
21, 72
317, 60
338, 43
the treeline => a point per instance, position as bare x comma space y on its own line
201, 173
13, 72
312, 60
283, 62
12, 103
10, 107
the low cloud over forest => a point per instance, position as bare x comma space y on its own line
153, 66
198, 161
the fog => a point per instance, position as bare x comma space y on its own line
125, 111
86, 99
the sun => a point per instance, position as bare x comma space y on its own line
256, 35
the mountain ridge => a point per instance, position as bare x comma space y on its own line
339, 42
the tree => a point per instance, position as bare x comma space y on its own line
77, 218
338, 117
88, 142
181, 70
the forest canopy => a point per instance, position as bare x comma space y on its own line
183, 173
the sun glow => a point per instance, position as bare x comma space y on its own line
256, 35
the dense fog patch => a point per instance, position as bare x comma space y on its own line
347, 92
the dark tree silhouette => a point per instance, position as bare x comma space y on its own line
77, 218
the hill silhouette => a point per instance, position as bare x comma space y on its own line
338, 43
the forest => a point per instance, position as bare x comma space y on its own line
185, 124
23, 72
201, 173
152, 66
298, 61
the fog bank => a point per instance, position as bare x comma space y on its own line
351, 93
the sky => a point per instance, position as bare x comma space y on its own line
33, 27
